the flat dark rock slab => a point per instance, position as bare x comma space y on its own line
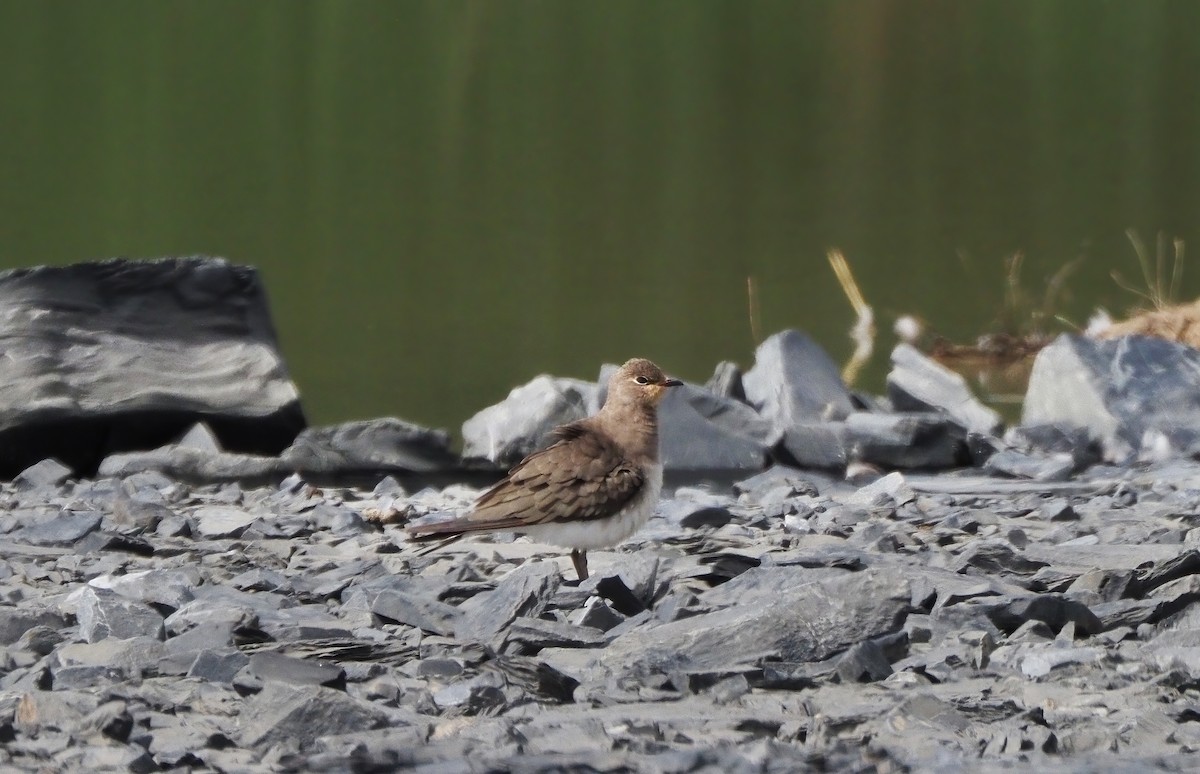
812, 621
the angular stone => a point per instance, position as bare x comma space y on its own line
125, 658
218, 606
47, 473
188, 464
67, 528
1053, 440
415, 609
103, 613
368, 446
892, 489
702, 431
268, 666
853, 607
1055, 610
819, 445
538, 633
864, 662
996, 557
61, 710
906, 441
201, 438
1041, 662
218, 521
299, 714
16, 621
596, 614
505, 433
526, 591
133, 515
477, 695
218, 666
1010, 462
773, 477
150, 347
1120, 390
794, 381
111, 719
918, 383
726, 381
168, 588
696, 514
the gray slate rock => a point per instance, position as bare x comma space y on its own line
1017, 464
47, 473
414, 609
864, 662
817, 445
218, 666
119, 355
701, 431
1053, 440
269, 667
811, 622
132, 515
919, 383
524, 592
129, 657
185, 463
217, 521
1123, 392
15, 622
299, 714
103, 613
726, 381
167, 588
505, 433
1054, 610
66, 528
385, 444
794, 381
915, 440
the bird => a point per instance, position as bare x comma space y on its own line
593, 487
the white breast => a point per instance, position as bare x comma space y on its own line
602, 533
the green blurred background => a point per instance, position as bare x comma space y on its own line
448, 197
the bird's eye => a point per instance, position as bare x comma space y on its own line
642, 380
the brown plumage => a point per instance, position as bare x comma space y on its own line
594, 486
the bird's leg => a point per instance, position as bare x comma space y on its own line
580, 560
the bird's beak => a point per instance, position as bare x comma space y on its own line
672, 383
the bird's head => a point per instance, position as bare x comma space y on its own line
639, 382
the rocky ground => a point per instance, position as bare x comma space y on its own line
787, 622
1010, 598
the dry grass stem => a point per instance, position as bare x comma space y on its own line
753, 310
862, 333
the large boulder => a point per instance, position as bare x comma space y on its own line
1128, 394
118, 355
918, 383
794, 382
506, 432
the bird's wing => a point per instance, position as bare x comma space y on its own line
581, 477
